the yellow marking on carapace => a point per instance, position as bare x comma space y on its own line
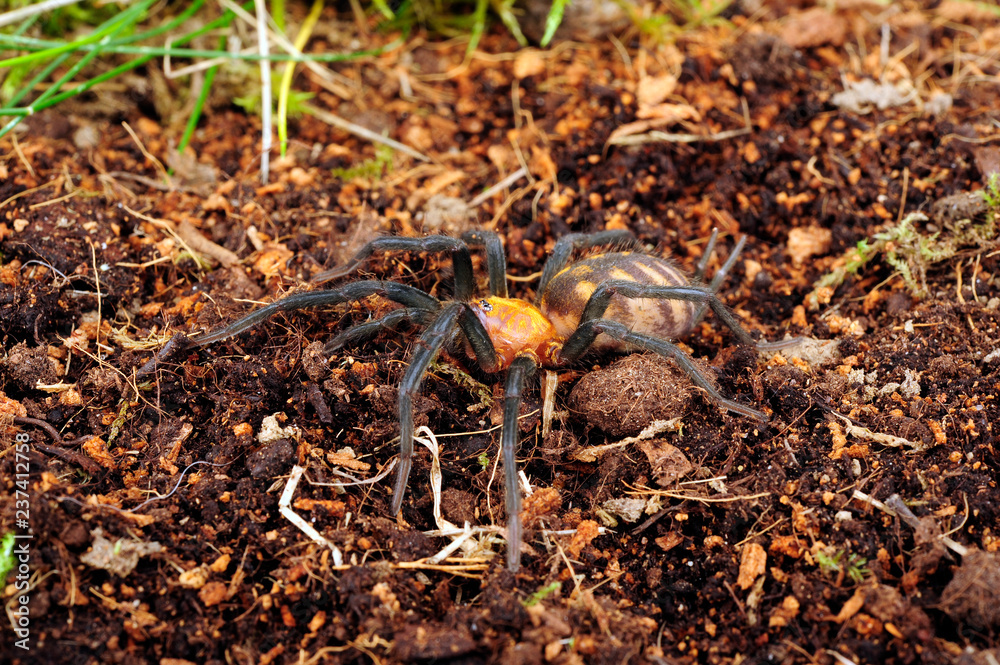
517, 327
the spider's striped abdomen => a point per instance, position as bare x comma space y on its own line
567, 294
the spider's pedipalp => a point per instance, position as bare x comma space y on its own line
480, 341
401, 293
520, 370
427, 347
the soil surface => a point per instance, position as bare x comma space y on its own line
858, 525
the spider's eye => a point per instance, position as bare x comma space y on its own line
486, 307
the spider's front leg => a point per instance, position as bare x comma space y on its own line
407, 296
461, 259
426, 349
520, 370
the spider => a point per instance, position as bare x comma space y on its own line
618, 300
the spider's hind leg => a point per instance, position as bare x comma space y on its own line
599, 300
591, 329
720, 274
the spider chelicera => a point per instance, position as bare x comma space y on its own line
620, 300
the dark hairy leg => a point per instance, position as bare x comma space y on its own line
496, 259
601, 298
362, 332
520, 370
565, 246
401, 293
720, 274
589, 331
461, 259
427, 347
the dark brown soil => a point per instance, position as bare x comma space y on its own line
717, 539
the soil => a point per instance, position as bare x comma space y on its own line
858, 525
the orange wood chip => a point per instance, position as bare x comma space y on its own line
753, 563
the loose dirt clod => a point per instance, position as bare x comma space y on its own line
973, 595
631, 393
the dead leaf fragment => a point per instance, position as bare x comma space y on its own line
814, 27
669, 541
655, 89
806, 242
585, 533
753, 563
851, 607
668, 462
97, 450
789, 546
273, 260
194, 578
788, 610
119, 557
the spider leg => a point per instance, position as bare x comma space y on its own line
601, 298
522, 368
461, 258
427, 348
720, 275
699, 273
496, 260
589, 331
367, 330
564, 249
401, 293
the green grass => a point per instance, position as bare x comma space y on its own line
110, 42
912, 250
541, 594
7, 560
853, 567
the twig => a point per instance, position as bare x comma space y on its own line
362, 132
284, 507
82, 461
895, 507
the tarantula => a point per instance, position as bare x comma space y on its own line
621, 300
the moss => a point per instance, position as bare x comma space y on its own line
913, 246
